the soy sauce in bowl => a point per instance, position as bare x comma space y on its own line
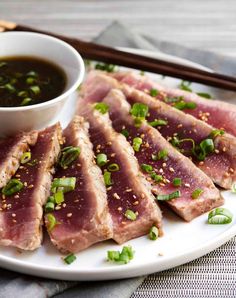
28, 81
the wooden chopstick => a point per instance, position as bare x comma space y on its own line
90, 50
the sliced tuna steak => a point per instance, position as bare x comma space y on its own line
83, 216
21, 213
169, 167
219, 165
11, 151
131, 203
217, 113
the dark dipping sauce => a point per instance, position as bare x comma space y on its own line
28, 80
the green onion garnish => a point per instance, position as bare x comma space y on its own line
52, 222
125, 133
196, 193
32, 74
101, 159
146, 168
153, 233
162, 154
68, 155
205, 147
158, 122
13, 186
63, 184
105, 67
205, 95
59, 197
182, 105
10, 88
26, 101
220, 216
137, 142
22, 93
139, 110
26, 157
216, 132
35, 89
157, 178
30, 81
69, 259
102, 107
107, 178
123, 257
184, 85
49, 207
174, 195
130, 214
114, 167
177, 182
154, 92
233, 188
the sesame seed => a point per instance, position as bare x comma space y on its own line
142, 195
116, 196
187, 184
135, 203
224, 149
119, 208
69, 214
201, 163
128, 190
31, 186
25, 183
13, 215
231, 170
161, 170
217, 151
64, 205
113, 155
171, 169
57, 207
164, 164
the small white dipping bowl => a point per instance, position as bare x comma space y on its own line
13, 44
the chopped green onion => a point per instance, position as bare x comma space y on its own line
69, 259
146, 168
162, 154
125, 133
101, 159
59, 197
205, 147
154, 92
153, 233
12, 187
130, 214
137, 142
196, 193
174, 195
26, 157
52, 222
51, 199
182, 105
10, 88
32, 74
102, 107
139, 110
233, 187
105, 67
158, 122
22, 93
30, 81
205, 95
26, 101
184, 85
3, 64
63, 184
173, 99
123, 257
33, 162
220, 216
177, 182
114, 167
142, 73
216, 132
49, 207
35, 89
107, 178
157, 178
69, 155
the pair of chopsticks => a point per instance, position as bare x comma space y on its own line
89, 50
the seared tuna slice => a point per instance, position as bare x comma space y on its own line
167, 169
11, 151
217, 113
21, 212
131, 203
190, 135
83, 215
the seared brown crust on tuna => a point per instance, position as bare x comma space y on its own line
84, 217
21, 213
129, 189
220, 165
217, 113
176, 164
11, 151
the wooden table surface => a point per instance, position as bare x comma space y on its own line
209, 24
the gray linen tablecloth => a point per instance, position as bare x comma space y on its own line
213, 275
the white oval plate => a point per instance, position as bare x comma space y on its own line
181, 243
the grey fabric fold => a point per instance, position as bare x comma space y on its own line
160, 285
